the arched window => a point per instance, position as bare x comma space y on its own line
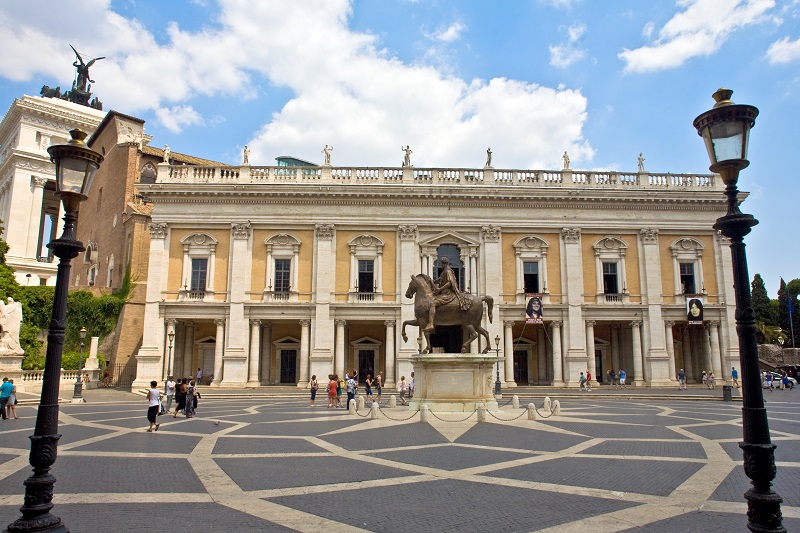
148, 174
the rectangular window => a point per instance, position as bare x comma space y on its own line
610, 285
530, 273
687, 278
283, 271
366, 275
199, 269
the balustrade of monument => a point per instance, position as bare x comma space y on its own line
434, 176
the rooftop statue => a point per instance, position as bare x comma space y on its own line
81, 88
82, 80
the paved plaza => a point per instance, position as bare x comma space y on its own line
276, 464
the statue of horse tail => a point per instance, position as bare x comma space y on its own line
489, 304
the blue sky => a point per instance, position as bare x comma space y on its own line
603, 80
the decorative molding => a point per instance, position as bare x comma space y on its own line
241, 230
649, 236
220, 322
591, 323
305, 323
557, 323
389, 323
508, 323
324, 231
571, 235
407, 232
158, 230
669, 323
722, 239
255, 322
635, 324
341, 323
38, 181
490, 233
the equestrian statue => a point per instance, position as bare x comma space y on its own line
441, 303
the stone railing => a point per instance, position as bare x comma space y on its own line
231, 175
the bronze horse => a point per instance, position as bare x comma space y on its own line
421, 288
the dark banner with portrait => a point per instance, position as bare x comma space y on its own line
533, 309
694, 311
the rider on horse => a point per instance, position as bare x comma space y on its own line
446, 291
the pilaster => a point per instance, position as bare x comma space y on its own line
575, 360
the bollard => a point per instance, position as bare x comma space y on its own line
351, 408
547, 403
515, 402
373, 411
360, 402
392, 401
481, 412
423, 413
556, 408
531, 412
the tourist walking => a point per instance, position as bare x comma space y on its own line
704, 379
169, 392
368, 387
350, 384
588, 381
191, 400
402, 388
582, 380
711, 380
180, 397
333, 383
5, 392
153, 404
379, 384
681, 380
313, 385
622, 376
11, 403
612, 378
735, 377
199, 375
411, 386
340, 384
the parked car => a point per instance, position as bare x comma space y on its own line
776, 380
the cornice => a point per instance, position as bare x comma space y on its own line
58, 115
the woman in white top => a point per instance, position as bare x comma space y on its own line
154, 402
403, 388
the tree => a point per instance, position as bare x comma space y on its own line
785, 293
761, 302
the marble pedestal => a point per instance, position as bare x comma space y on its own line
453, 382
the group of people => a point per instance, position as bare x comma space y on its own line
707, 379
349, 384
8, 399
614, 379
768, 381
183, 392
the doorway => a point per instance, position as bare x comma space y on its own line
365, 364
521, 366
288, 366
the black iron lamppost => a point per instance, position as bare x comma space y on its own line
497, 385
171, 336
77, 393
781, 340
75, 168
725, 130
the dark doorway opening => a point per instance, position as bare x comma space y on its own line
288, 366
521, 366
365, 359
450, 338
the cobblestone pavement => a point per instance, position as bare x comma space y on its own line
280, 465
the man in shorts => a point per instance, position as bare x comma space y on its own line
622, 376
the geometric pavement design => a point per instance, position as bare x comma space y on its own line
280, 465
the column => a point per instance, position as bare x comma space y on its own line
266, 355
188, 350
688, 358
338, 367
390, 355
615, 362
148, 365
541, 353
235, 360
558, 361
255, 353
409, 259
660, 371
670, 348
304, 355
574, 336
592, 365
379, 272
728, 299
716, 364
325, 258
219, 343
491, 280
37, 186
638, 377
508, 350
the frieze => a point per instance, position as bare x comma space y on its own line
158, 230
324, 231
571, 235
490, 233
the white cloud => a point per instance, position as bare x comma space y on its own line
784, 51
176, 118
567, 53
699, 30
647, 31
450, 33
345, 90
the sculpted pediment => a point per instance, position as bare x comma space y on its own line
449, 237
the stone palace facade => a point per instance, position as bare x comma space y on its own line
272, 274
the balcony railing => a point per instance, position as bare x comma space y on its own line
186, 174
615, 297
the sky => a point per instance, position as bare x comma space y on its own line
601, 79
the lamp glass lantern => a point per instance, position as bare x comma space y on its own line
76, 165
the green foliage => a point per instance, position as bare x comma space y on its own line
761, 302
37, 304
98, 315
785, 292
70, 360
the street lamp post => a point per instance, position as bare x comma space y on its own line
497, 385
781, 340
725, 129
75, 167
77, 393
171, 336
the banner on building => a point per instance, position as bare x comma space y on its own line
533, 309
694, 311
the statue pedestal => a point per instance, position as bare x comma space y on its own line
11, 367
453, 382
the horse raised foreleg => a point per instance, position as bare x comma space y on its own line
408, 323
